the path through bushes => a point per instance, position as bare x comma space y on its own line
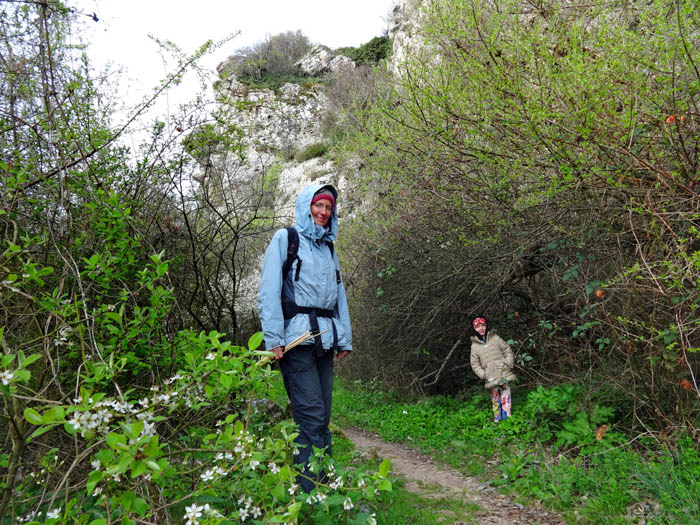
425, 477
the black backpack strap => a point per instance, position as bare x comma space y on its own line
292, 252
291, 309
337, 271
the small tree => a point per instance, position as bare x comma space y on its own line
275, 56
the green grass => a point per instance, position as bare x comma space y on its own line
585, 482
400, 505
546, 452
317, 149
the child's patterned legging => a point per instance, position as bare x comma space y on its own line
500, 401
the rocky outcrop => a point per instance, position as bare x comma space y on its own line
405, 32
322, 60
277, 125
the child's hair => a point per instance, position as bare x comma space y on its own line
478, 316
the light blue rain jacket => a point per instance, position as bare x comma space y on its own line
317, 285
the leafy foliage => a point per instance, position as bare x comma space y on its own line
369, 53
510, 172
317, 149
547, 452
115, 409
272, 62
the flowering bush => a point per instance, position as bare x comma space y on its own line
132, 443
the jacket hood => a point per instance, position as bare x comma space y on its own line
305, 222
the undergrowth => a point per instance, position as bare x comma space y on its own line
554, 449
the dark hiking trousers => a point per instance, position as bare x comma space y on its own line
308, 380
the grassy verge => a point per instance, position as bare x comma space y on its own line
553, 450
401, 506
398, 506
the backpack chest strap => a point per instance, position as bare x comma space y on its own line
291, 309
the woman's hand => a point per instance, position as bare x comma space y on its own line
342, 354
278, 353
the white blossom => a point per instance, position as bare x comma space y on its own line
336, 483
320, 497
6, 376
53, 514
176, 377
192, 513
149, 429
347, 504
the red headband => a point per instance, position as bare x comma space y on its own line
478, 320
320, 196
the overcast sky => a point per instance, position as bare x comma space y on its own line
121, 34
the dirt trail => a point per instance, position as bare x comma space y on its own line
429, 479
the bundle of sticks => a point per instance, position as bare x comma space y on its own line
299, 340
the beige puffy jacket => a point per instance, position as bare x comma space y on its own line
493, 360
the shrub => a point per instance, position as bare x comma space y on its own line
369, 53
271, 63
317, 149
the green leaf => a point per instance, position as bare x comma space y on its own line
293, 511
225, 380
49, 416
23, 375
133, 430
137, 468
255, 340
114, 316
39, 431
152, 449
127, 500
384, 467
93, 479
32, 416
385, 485
140, 506
29, 360
116, 441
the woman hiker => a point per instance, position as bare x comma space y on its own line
306, 295
492, 360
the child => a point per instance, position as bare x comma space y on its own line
492, 360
